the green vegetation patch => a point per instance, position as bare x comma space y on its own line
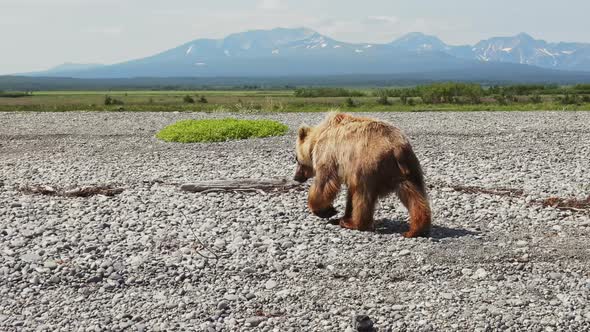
14, 94
191, 131
327, 92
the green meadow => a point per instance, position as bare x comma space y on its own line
435, 97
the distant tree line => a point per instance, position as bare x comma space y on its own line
469, 93
459, 93
4, 94
327, 92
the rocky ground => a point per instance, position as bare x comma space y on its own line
155, 258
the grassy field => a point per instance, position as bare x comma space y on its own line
245, 101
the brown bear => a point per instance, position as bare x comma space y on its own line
372, 158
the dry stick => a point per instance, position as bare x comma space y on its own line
85, 191
256, 185
572, 204
262, 186
572, 209
201, 242
212, 190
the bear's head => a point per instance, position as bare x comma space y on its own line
303, 155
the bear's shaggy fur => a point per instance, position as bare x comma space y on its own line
372, 158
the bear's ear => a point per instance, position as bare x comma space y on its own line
303, 131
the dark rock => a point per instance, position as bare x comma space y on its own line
94, 279
364, 324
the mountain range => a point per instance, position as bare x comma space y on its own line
519, 49
284, 52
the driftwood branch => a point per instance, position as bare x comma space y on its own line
72, 192
241, 185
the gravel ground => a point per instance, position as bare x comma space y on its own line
241, 261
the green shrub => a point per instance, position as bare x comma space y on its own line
536, 99
582, 88
403, 99
466, 93
501, 99
4, 94
349, 102
382, 100
450, 93
189, 131
586, 98
408, 92
188, 99
108, 100
203, 100
520, 89
327, 92
569, 99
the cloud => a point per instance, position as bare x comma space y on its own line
381, 20
420, 24
270, 4
374, 29
107, 31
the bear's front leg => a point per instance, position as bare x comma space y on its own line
326, 213
322, 194
360, 207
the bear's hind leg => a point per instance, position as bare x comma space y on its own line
416, 202
361, 210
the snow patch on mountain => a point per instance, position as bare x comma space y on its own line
545, 52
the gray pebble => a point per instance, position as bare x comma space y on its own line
270, 284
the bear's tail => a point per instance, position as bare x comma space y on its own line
412, 192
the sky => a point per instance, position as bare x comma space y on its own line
39, 34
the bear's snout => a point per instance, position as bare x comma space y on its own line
299, 177
303, 173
